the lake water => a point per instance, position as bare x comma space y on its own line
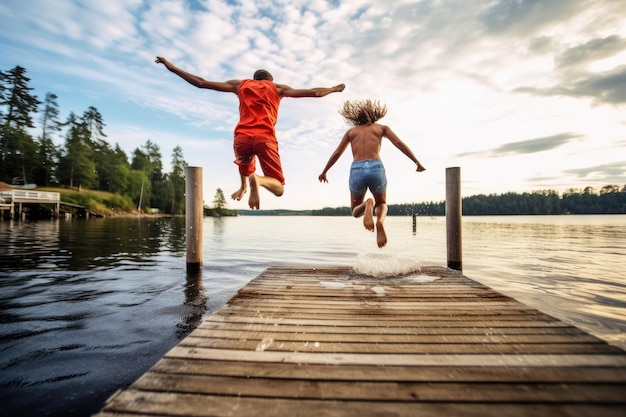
86, 307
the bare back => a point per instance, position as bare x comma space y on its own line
366, 141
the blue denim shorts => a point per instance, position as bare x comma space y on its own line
369, 173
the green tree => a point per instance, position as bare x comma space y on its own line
94, 123
609, 189
50, 122
48, 152
77, 167
22, 156
148, 161
48, 156
104, 156
105, 161
177, 181
17, 147
120, 171
139, 187
120, 179
219, 202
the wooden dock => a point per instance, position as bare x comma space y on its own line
15, 200
304, 341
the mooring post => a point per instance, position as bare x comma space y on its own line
193, 217
453, 218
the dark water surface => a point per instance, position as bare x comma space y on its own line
86, 307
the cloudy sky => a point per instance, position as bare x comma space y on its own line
522, 95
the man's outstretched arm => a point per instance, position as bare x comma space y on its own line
225, 86
286, 91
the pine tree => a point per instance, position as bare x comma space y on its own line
77, 167
17, 148
177, 181
219, 202
48, 153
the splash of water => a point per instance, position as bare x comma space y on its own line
383, 265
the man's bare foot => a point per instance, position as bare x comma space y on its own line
254, 201
381, 236
368, 215
238, 195
243, 189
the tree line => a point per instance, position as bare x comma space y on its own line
85, 159
609, 199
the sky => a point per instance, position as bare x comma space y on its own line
521, 95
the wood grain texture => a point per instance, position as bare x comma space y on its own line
324, 341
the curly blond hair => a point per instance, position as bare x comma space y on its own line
363, 112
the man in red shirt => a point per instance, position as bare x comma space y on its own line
255, 135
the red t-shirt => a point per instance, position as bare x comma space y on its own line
258, 109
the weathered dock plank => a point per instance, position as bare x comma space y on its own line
304, 341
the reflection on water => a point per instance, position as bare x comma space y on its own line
88, 306
81, 245
85, 307
196, 300
566, 266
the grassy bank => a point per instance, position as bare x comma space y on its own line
102, 202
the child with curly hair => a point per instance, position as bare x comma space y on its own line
367, 170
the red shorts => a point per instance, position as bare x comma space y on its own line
248, 147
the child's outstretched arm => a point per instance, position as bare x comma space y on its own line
388, 133
334, 157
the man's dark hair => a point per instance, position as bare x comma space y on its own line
263, 75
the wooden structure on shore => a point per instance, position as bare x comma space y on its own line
18, 202
324, 341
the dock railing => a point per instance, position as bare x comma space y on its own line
13, 200
28, 196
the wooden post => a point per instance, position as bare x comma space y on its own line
453, 218
194, 215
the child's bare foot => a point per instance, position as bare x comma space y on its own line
254, 201
368, 216
238, 195
381, 236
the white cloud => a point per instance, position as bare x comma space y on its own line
457, 76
